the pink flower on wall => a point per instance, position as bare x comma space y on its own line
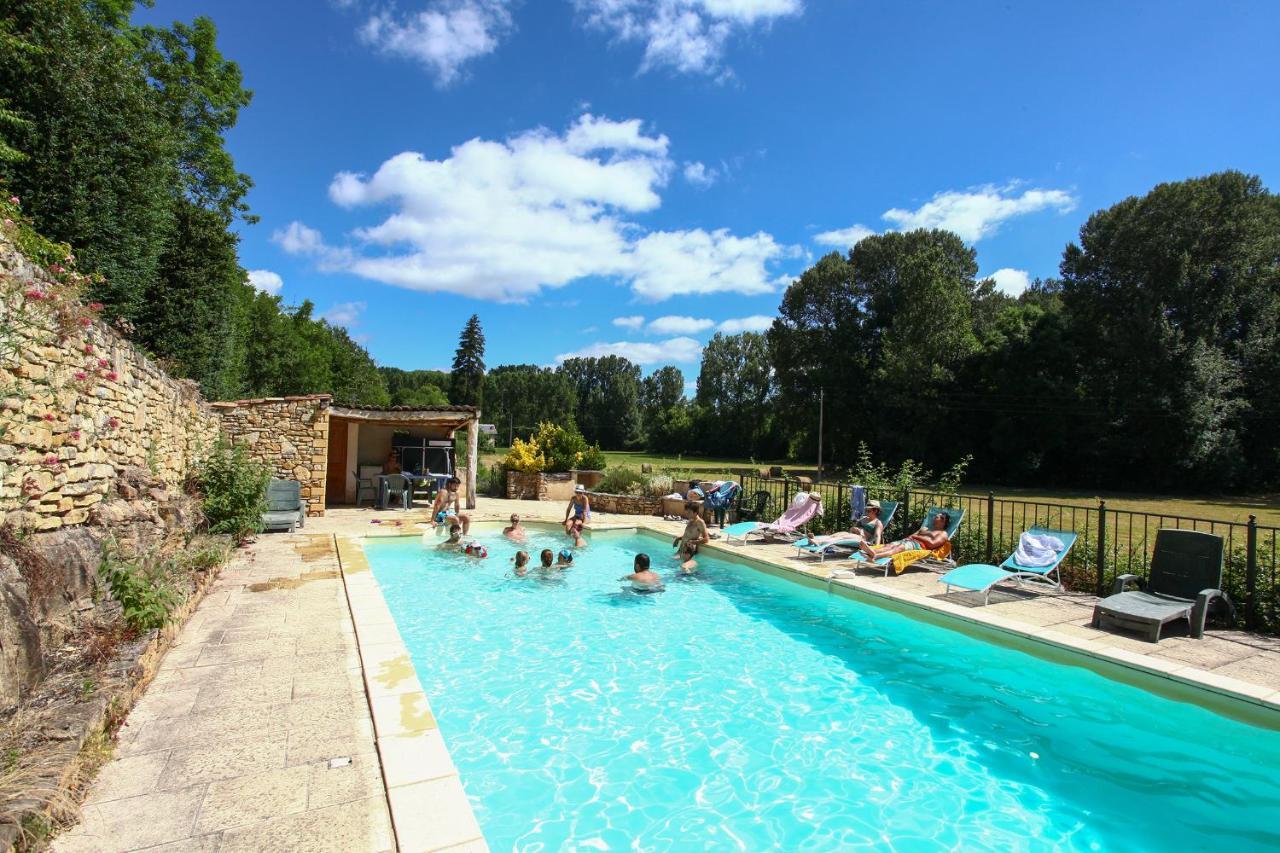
48, 416
112, 376
75, 435
88, 349
34, 293
95, 306
51, 460
81, 376
113, 422
13, 199
102, 362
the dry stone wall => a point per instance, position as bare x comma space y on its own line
80, 405
288, 434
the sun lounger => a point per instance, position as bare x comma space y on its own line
937, 558
786, 527
981, 577
1185, 579
843, 546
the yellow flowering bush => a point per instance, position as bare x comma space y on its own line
525, 456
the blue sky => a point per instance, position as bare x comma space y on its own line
629, 176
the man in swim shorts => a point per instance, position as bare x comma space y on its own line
442, 512
924, 539
695, 535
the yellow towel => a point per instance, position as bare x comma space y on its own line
906, 558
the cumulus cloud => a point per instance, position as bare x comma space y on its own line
345, 314
1011, 281
699, 175
754, 323
676, 325
443, 37
687, 36
634, 322
266, 281
680, 350
843, 238
979, 212
503, 220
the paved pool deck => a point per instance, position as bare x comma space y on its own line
287, 715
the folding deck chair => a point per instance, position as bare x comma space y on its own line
981, 577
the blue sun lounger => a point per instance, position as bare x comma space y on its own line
844, 546
981, 577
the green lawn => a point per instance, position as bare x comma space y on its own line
1218, 507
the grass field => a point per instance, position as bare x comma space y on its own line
1217, 507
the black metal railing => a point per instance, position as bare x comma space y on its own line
1111, 541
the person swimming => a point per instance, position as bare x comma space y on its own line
547, 558
454, 542
522, 563
564, 559
575, 530
643, 578
516, 533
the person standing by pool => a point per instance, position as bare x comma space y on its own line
643, 578
441, 511
695, 535
579, 509
515, 532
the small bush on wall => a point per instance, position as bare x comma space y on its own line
235, 490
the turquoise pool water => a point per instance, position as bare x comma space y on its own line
741, 711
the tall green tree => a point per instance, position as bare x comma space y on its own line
467, 377
735, 396
518, 397
607, 391
1176, 295
664, 411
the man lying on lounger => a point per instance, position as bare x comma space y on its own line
924, 539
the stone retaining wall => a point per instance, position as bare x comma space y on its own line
625, 504
79, 405
539, 487
289, 434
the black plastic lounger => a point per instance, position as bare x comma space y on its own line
1185, 579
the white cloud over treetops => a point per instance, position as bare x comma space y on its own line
979, 212
680, 350
675, 325
754, 323
686, 36
266, 281
503, 220
1011, 281
443, 37
843, 238
345, 314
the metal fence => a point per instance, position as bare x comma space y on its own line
1111, 541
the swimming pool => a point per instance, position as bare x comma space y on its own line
739, 710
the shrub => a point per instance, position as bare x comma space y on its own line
235, 490
525, 456
492, 481
623, 480
145, 597
563, 446
592, 459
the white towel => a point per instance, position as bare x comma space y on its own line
1037, 549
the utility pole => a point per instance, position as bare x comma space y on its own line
822, 393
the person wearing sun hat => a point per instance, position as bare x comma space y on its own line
579, 510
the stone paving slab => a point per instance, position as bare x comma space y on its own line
229, 747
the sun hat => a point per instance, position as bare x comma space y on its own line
580, 488
873, 504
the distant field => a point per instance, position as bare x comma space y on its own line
1217, 507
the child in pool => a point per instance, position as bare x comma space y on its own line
454, 542
522, 563
547, 559
564, 559
575, 531
643, 578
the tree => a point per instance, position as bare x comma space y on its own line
735, 396
467, 378
416, 387
607, 391
664, 411
1176, 298
518, 397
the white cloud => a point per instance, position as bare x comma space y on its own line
676, 325
345, 314
699, 175
843, 238
680, 350
266, 281
443, 37
688, 36
979, 212
1011, 281
754, 323
503, 220
633, 322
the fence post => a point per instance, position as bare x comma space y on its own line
786, 494
1251, 573
991, 519
1102, 548
839, 494
905, 509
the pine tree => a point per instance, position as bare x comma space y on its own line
467, 380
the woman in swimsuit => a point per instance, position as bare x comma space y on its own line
579, 509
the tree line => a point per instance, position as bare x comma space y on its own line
113, 137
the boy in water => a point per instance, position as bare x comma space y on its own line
515, 532
564, 559
547, 559
454, 542
643, 578
522, 563
575, 531
695, 534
